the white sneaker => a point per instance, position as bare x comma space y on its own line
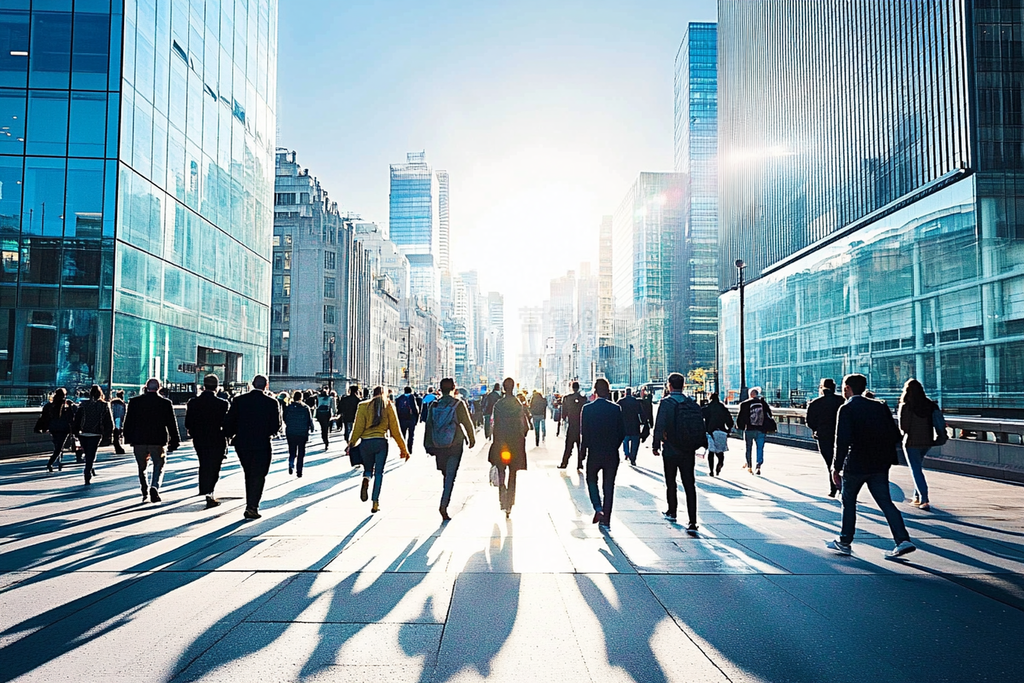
899, 551
838, 547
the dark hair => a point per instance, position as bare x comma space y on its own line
378, 406
259, 382
354, 390
497, 387
828, 383
297, 397
857, 383
58, 398
714, 397
913, 395
675, 381
509, 385
447, 385
575, 386
601, 387
96, 393
407, 390
210, 382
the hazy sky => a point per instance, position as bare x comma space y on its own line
542, 112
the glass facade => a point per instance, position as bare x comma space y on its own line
696, 147
413, 222
135, 185
876, 200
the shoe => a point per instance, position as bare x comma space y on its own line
758, 471
508, 514
211, 502
364, 491
691, 529
670, 516
718, 470
916, 501
838, 547
924, 506
291, 471
832, 493
145, 496
299, 475
444, 514
87, 482
711, 472
251, 514
904, 548
375, 508
561, 467
598, 518
154, 495
49, 468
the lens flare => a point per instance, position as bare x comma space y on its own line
506, 456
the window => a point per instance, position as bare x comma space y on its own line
303, 198
285, 334
329, 288
279, 364
329, 315
283, 260
330, 260
284, 198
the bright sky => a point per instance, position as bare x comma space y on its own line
542, 112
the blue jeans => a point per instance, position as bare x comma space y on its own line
451, 468
915, 458
540, 427
752, 436
630, 447
375, 455
878, 485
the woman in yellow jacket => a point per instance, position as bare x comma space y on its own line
374, 420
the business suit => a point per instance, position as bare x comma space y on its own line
149, 426
572, 408
602, 432
204, 422
633, 420
251, 422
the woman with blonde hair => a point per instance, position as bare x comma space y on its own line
375, 419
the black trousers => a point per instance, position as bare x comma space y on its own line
325, 428
827, 448
211, 456
609, 466
60, 439
408, 429
256, 465
572, 438
683, 464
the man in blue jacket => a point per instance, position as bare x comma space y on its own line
866, 441
601, 432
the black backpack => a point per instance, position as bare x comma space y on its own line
685, 430
405, 404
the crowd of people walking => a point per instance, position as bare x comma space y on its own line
857, 437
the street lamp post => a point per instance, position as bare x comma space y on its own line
740, 266
630, 365
330, 362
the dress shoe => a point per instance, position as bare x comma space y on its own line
598, 517
251, 514
154, 496
444, 514
211, 502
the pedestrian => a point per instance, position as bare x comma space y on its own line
915, 415
93, 423
866, 441
488, 403
539, 413
633, 421
408, 415
117, 411
298, 425
204, 422
375, 420
821, 420
753, 420
680, 429
152, 430
347, 407
448, 427
718, 422
56, 419
252, 421
508, 444
427, 400
572, 406
325, 410
556, 414
602, 431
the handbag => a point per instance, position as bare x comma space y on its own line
494, 475
355, 455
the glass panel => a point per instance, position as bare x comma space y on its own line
88, 124
113, 108
13, 47
84, 203
12, 121
43, 204
50, 59
89, 53
37, 360
10, 196
40, 271
47, 123
83, 347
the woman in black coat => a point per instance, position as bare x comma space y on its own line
57, 418
508, 444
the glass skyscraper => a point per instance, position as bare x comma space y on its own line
696, 154
871, 178
136, 175
414, 221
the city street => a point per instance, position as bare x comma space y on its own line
96, 586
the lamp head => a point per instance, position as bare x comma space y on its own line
740, 263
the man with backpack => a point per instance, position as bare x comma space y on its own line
754, 418
448, 427
325, 411
408, 415
680, 429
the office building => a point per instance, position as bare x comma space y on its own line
135, 193
414, 222
871, 178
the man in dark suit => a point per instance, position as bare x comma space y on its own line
821, 419
204, 421
633, 420
602, 432
150, 426
572, 408
866, 442
251, 423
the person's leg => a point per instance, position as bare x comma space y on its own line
915, 458
300, 455
671, 494
118, 448
536, 430
325, 429
748, 442
159, 457
503, 486
142, 460
608, 484
687, 464
380, 458
592, 489
544, 428
759, 439
827, 447
566, 453
451, 469
209, 468
348, 431
487, 426
850, 488
89, 445
293, 444
412, 436
878, 485
510, 497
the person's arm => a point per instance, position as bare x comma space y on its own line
76, 423
812, 416
659, 426
728, 418
395, 429
309, 418
171, 422
107, 422
904, 418
467, 423
584, 433
231, 421
844, 438
621, 426
280, 418
358, 427
743, 416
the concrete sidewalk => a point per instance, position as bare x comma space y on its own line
98, 587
